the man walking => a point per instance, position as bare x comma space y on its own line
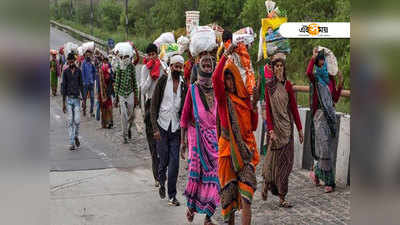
166, 107
150, 73
126, 92
89, 77
71, 88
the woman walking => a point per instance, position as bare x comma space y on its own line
199, 126
324, 95
106, 89
237, 148
281, 110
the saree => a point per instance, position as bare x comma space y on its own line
323, 132
236, 170
203, 185
278, 163
104, 96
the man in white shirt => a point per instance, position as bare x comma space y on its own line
166, 106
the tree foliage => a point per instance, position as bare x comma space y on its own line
149, 18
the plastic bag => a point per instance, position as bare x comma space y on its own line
183, 43
70, 47
245, 35
168, 50
202, 39
165, 38
273, 41
330, 58
124, 48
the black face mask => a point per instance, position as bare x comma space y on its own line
176, 74
72, 65
204, 74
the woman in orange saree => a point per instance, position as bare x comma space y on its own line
237, 148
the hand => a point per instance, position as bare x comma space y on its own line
301, 136
272, 135
341, 80
183, 150
229, 50
64, 109
157, 136
315, 52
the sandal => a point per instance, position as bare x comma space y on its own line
189, 215
314, 179
208, 221
329, 189
285, 204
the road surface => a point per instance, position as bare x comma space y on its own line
104, 182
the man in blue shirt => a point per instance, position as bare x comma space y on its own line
89, 78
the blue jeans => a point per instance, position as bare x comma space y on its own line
88, 88
74, 118
168, 152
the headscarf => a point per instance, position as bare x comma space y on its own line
240, 88
321, 73
177, 59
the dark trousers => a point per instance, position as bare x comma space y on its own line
150, 139
168, 151
88, 89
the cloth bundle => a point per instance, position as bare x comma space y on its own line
202, 39
124, 48
70, 47
183, 43
165, 38
330, 60
245, 35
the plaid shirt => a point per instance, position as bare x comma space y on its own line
125, 81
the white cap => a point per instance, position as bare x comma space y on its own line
177, 59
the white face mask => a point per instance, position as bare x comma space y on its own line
124, 63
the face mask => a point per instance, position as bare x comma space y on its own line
176, 74
124, 63
72, 65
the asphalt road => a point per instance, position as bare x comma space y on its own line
100, 148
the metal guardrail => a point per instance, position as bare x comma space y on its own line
306, 89
84, 37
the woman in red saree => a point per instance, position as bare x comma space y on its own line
237, 148
105, 95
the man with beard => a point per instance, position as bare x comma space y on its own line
71, 88
166, 106
126, 92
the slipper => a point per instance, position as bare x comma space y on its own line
314, 179
189, 215
329, 189
285, 204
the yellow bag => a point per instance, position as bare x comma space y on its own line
267, 23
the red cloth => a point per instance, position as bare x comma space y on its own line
187, 71
221, 96
332, 86
154, 66
292, 106
106, 79
267, 71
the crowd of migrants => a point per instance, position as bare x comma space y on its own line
205, 110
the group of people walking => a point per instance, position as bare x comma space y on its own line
205, 112
95, 77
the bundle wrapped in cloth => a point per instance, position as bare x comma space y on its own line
202, 39
70, 47
165, 38
245, 35
330, 60
88, 46
183, 43
124, 48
